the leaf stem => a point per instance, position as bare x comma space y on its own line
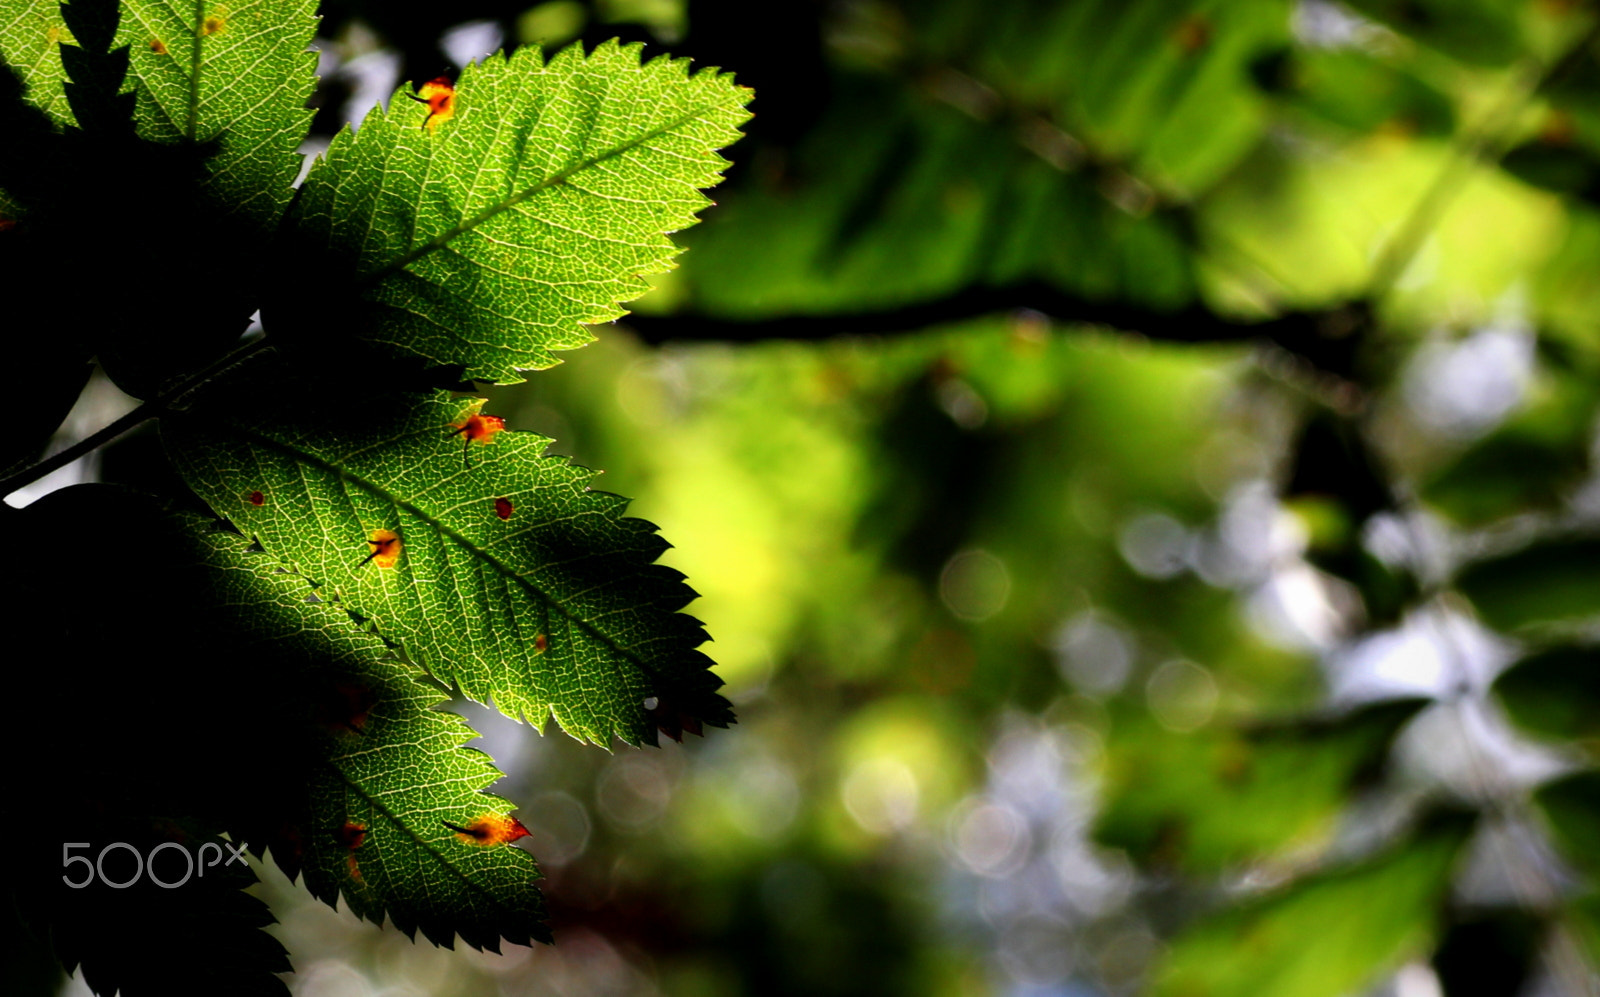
163, 402
29, 475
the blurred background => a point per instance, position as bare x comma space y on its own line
1136, 457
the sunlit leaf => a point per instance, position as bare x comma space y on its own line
488, 240
554, 608
234, 74
388, 772
31, 32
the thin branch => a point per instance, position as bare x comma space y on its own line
54, 462
1309, 332
151, 409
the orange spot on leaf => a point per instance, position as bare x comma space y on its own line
541, 643
256, 498
1559, 129
489, 830
1193, 33
346, 706
212, 26
350, 835
158, 46
502, 508
476, 427
440, 96
479, 428
385, 548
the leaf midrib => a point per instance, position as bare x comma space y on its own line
444, 238
522, 579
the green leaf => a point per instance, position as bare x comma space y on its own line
489, 238
1353, 88
379, 837
512, 578
311, 722
237, 75
1324, 936
31, 32
1549, 582
1214, 798
1572, 805
385, 770
1555, 693
1480, 32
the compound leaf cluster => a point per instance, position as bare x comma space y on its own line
367, 552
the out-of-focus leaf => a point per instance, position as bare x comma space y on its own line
1133, 79
1354, 89
1532, 462
1484, 32
929, 201
1558, 166
1572, 805
1555, 693
1583, 917
1326, 935
1210, 799
1550, 581
1000, 145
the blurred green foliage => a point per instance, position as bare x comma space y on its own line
1118, 445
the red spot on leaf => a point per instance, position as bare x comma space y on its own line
489, 830
502, 508
256, 498
385, 548
540, 643
350, 837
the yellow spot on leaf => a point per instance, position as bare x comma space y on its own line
385, 548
